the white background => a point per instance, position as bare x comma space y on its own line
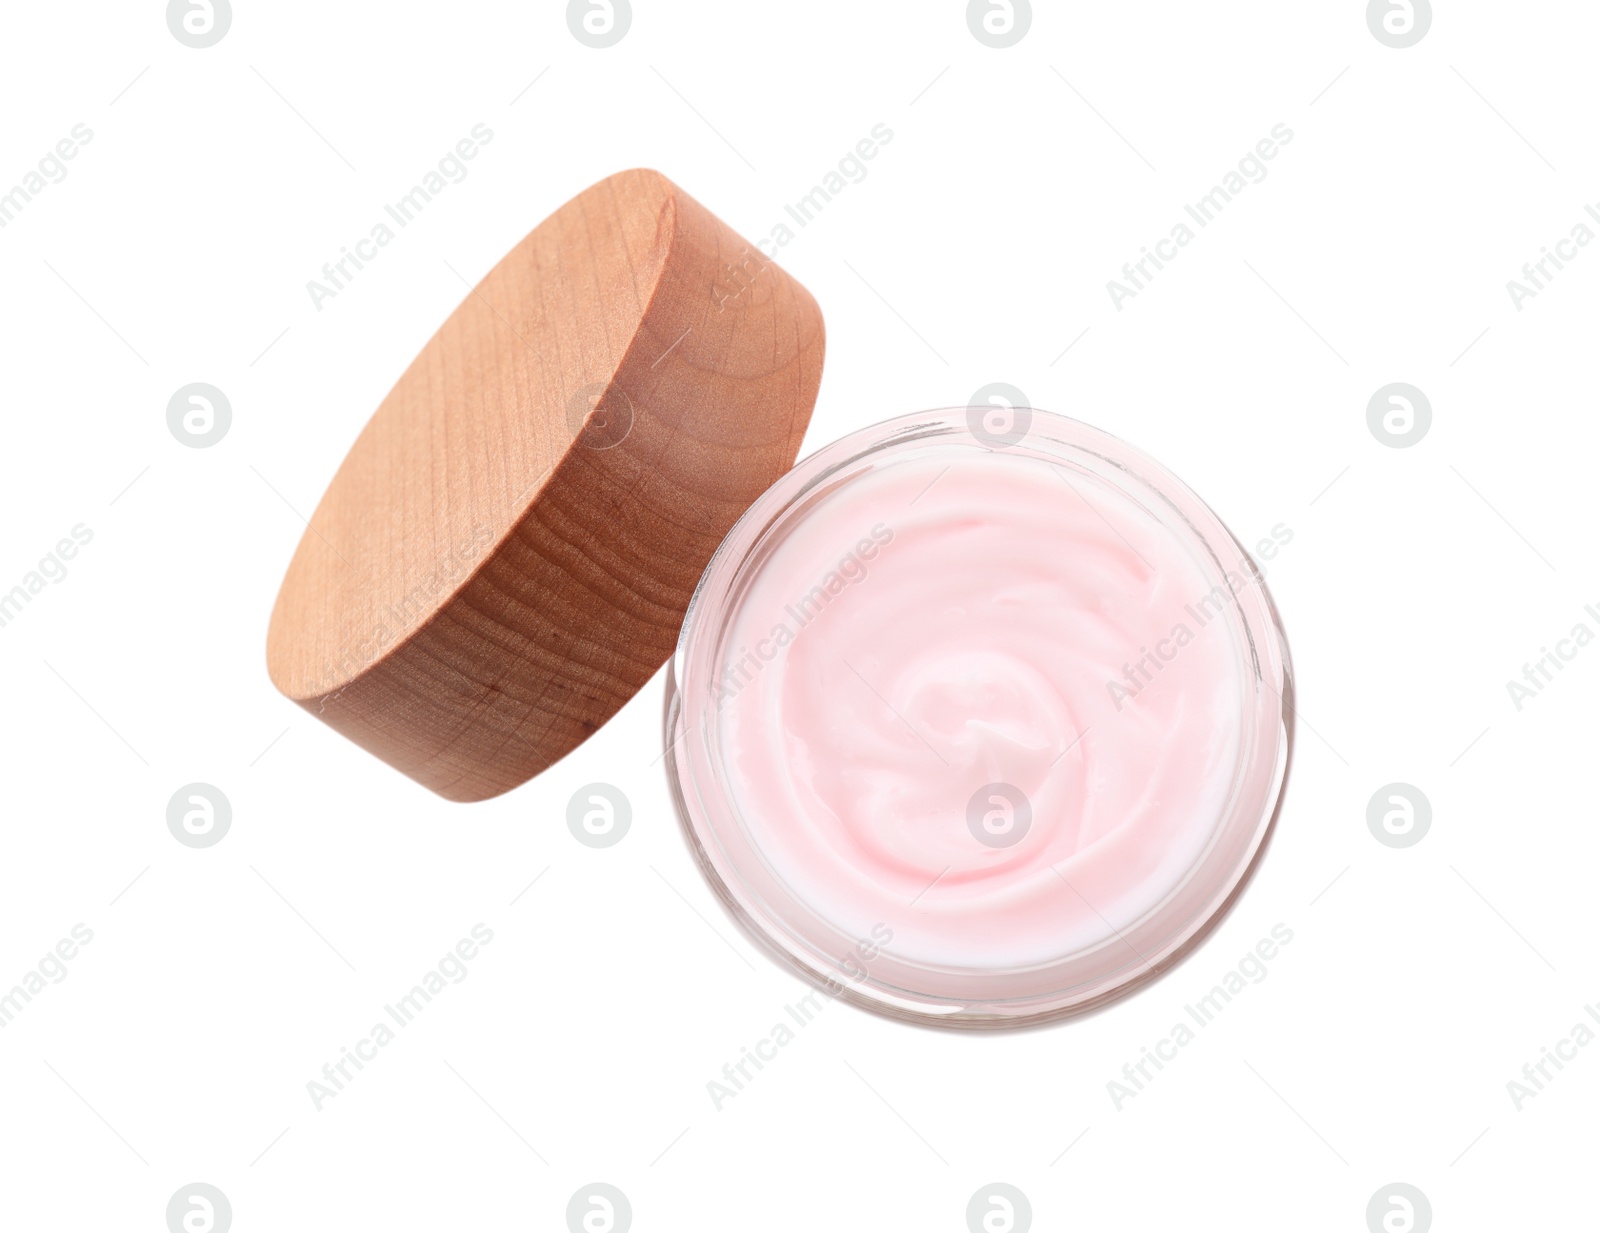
1018, 182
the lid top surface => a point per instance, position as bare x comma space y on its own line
460, 447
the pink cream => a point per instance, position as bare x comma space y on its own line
979, 714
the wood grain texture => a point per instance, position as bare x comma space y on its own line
505, 555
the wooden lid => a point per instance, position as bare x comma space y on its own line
506, 553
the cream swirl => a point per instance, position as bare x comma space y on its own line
990, 701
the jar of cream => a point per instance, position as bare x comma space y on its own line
972, 722
978, 723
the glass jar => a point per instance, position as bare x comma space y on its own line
979, 718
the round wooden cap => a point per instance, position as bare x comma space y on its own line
506, 553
